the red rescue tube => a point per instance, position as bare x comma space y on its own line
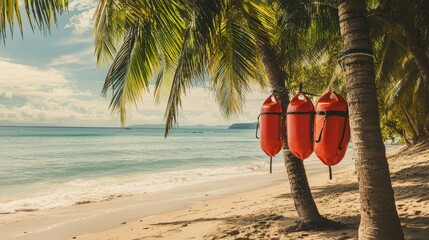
270, 125
299, 124
331, 128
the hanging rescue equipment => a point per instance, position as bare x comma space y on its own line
299, 124
331, 129
270, 125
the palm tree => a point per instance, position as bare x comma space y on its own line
403, 94
410, 18
295, 20
220, 36
379, 218
40, 14
304, 203
400, 38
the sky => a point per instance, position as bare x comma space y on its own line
52, 79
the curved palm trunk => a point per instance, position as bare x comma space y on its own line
300, 189
410, 122
379, 218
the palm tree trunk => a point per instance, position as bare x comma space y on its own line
379, 218
410, 122
300, 189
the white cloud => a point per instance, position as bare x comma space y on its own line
47, 96
84, 57
82, 21
199, 107
75, 40
81, 5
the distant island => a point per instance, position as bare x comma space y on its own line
200, 126
162, 126
243, 126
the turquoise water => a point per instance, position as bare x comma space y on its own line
47, 167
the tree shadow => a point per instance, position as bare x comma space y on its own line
417, 173
259, 219
416, 227
322, 191
418, 192
183, 222
240, 227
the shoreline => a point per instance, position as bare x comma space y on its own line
95, 220
89, 217
66, 222
200, 218
265, 213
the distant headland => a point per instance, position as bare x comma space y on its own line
162, 126
233, 126
243, 126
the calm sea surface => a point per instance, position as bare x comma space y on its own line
48, 167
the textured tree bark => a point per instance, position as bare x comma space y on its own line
300, 189
379, 218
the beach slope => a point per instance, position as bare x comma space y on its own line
267, 213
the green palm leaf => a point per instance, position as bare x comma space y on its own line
40, 12
132, 68
233, 66
192, 61
190, 68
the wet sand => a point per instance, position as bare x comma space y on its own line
266, 213
252, 207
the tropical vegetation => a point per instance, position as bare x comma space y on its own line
230, 46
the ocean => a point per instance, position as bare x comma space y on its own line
51, 167
44, 168
59, 182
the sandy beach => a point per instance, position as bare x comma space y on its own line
266, 213
251, 207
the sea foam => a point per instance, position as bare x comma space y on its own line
85, 191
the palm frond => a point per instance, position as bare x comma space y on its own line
190, 69
404, 90
390, 56
193, 58
109, 29
41, 12
132, 68
233, 66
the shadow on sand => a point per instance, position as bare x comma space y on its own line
411, 192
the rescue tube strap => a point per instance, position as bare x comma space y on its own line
257, 127
344, 114
321, 130
312, 113
343, 134
334, 113
312, 128
271, 113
